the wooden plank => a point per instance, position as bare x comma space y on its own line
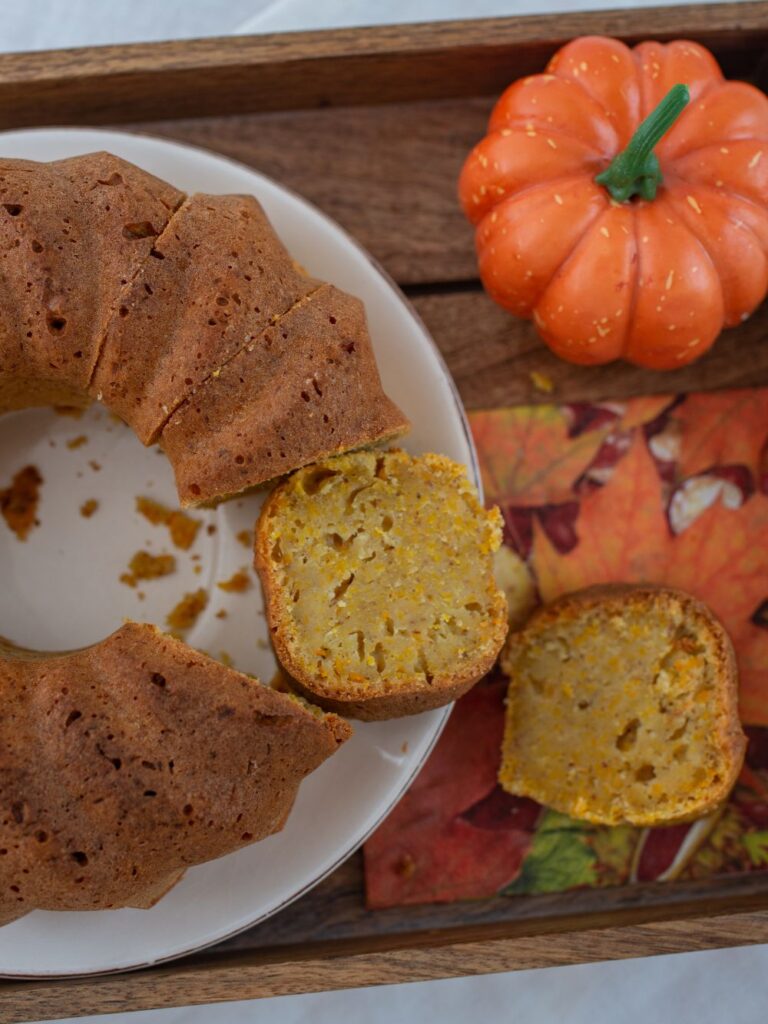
336, 911
350, 66
387, 174
492, 356
311, 968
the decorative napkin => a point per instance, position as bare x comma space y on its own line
670, 489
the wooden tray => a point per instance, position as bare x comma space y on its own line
372, 125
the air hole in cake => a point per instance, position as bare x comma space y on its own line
317, 387
360, 644
211, 322
680, 751
340, 590
72, 717
187, 809
331, 319
305, 396
117, 763
349, 347
149, 289
123, 311
645, 773
628, 737
314, 481
41, 836
680, 731
381, 469
55, 322
158, 679
222, 300
246, 837
423, 667
335, 540
36, 246
17, 812
13, 209
387, 523
80, 858
195, 488
239, 459
473, 606
379, 658
277, 551
150, 792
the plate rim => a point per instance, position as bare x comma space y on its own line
474, 469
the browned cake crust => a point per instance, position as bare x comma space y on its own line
216, 278
306, 388
72, 234
125, 763
623, 707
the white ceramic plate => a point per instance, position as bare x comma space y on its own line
61, 588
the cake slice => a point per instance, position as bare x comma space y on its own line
306, 388
377, 569
125, 763
622, 707
214, 280
73, 233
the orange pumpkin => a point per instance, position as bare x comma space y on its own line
622, 239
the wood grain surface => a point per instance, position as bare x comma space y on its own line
312, 968
341, 67
394, 112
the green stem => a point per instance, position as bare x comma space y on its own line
635, 171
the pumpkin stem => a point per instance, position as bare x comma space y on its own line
635, 171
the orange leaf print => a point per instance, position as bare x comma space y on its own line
622, 532
527, 457
722, 558
725, 428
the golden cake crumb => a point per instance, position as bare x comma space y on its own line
188, 610
183, 528
77, 442
221, 613
246, 538
144, 566
88, 508
95, 466
226, 659
236, 584
19, 502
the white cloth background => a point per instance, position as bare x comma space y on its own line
695, 988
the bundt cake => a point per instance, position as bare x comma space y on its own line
298, 392
125, 763
116, 286
377, 569
622, 707
73, 234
